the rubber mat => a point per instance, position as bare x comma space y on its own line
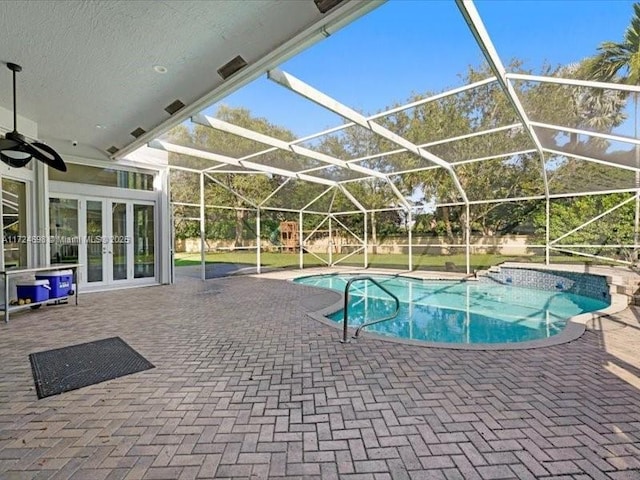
69, 368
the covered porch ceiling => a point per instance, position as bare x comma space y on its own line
111, 75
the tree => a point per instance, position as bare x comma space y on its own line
473, 110
373, 193
608, 232
223, 223
620, 62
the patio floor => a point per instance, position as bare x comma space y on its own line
246, 385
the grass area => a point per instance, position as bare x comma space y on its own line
425, 262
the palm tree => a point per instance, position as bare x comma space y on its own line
620, 62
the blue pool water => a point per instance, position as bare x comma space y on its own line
457, 312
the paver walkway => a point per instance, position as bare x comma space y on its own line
246, 385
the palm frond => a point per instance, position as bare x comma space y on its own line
632, 34
611, 62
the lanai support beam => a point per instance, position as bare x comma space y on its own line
410, 236
589, 133
591, 159
256, 167
359, 206
547, 231
298, 86
230, 190
223, 126
471, 16
594, 219
305, 90
444, 141
474, 21
467, 238
280, 187
258, 243
391, 111
573, 82
316, 198
351, 198
330, 241
300, 240
366, 242
203, 230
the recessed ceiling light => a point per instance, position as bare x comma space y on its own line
100, 126
160, 69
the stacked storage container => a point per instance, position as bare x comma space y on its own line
60, 282
47, 286
31, 291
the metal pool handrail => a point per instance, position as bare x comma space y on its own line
346, 307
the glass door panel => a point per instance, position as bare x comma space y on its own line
63, 226
143, 241
119, 241
14, 222
114, 240
95, 247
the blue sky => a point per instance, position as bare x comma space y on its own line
418, 46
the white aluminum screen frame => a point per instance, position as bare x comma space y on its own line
352, 118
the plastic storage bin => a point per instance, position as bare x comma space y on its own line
60, 282
34, 290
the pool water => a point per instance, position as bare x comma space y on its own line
457, 312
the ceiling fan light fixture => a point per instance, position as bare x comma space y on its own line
12, 150
16, 155
16, 151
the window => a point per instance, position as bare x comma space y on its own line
14, 222
107, 177
63, 227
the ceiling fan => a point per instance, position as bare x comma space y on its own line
16, 151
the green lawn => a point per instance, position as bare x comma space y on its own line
426, 262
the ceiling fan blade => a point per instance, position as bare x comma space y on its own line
14, 152
7, 144
47, 155
14, 162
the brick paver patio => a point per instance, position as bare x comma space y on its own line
246, 385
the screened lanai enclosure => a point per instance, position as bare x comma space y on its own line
510, 165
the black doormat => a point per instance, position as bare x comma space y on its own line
69, 368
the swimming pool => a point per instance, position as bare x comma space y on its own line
457, 312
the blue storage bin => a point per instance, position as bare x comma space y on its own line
60, 282
34, 290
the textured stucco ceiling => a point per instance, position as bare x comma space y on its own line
89, 63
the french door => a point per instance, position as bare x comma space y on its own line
113, 239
